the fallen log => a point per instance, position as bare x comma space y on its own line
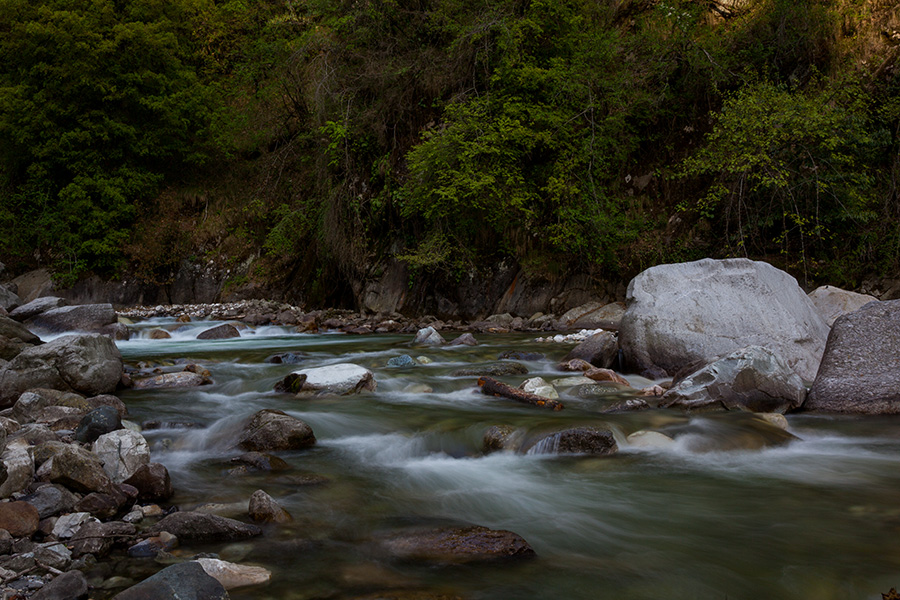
492, 387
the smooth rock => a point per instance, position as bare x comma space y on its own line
149, 548
220, 332
428, 336
263, 508
260, 461
501, 437
466, 339
343, 378
751, 379
594, 315
271, 430
20, 519
51, 499
182, 379
579, 440
152, 482
600, 350
539, 387
86, 317
457, 545
232, 575
200, 527
36, 307
8, 299
159, 334
860, 372
71, 585
495, 370
649, 439
694, 312
183, 581
833, 302
122, 452
96, 423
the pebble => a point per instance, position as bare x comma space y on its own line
572, 338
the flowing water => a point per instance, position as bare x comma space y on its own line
711, 516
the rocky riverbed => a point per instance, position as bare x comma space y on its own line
254, 450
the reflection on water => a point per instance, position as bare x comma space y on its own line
733, 509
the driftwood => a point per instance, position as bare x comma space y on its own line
592, 372
492, 387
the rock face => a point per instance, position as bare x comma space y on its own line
600, 350
753, 379
580, 440
271, 430
693, 312
36, 307
184, 581
220, 332
833, 302
86, 317
860, 371
457, 545
89, 364
201, 527
344, 378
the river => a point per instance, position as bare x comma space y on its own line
702, 518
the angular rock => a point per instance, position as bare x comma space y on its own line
495, 370
89, 364
98, 538
683, 313
428, 336
232, 575
86, 317
159, 334
19, 468
183, 581
181, 379
457, 545
260, 461
50, 500
71, 585
220, 332
833, 302
539, 387
78, 470
594, 315
404, 360
201, 527
271, 430
500, 437
262, 508
67, 525
20, 519
150, 547
54, 555
600, 350
860, 371
751, 379
466, 339
122, 452
8, 299
517, 355
96, 504
152, 482
579, 440
36, 307
96, 423
343, 378
16, 332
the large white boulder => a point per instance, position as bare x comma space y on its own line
687, 314
122, 452
833, 302
342, 378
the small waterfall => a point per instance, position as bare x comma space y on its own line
548, 445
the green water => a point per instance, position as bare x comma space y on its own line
818, 518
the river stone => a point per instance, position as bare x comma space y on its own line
466, 339
152, 482
36, 307
860, 372
457, 545
260, 461
8, 299
200, 527
580, 440
220, 332
752, 379
500, 437
86, 317
53, 554
264, 509
152, 546
518, 355
158, 334
694, 312
71, 585
649, 439
833, 302
51, 499
122, 452
14, 335
98, 538
97, 422
89, 364
232, 575
600, 350
428, 337
270, 430
20, 519
66, 526
594, 315
539, 387
19, 468
343, 378
404, 360
495, 370
183, 581
78, 470
182, 379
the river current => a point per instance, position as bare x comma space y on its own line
719, 514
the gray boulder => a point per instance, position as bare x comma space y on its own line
600, 350
270, 430
78, 470
182, 379
262, 508
122, 453
860, 371
694, 312
36, 307
51, 499
98, 538
183, 581
594, 315
219, 332
85, 317
832, 302
14, 338
90, 364
19, 465
343, 378
579, 440
96, 423
71, 585
202, 527
457, 545
8, 299
429, 336
752, 379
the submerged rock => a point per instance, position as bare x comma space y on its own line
201, 527
495, 370
232, 575
220, 332
752, 379
262, 508
457, 545
404, 360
